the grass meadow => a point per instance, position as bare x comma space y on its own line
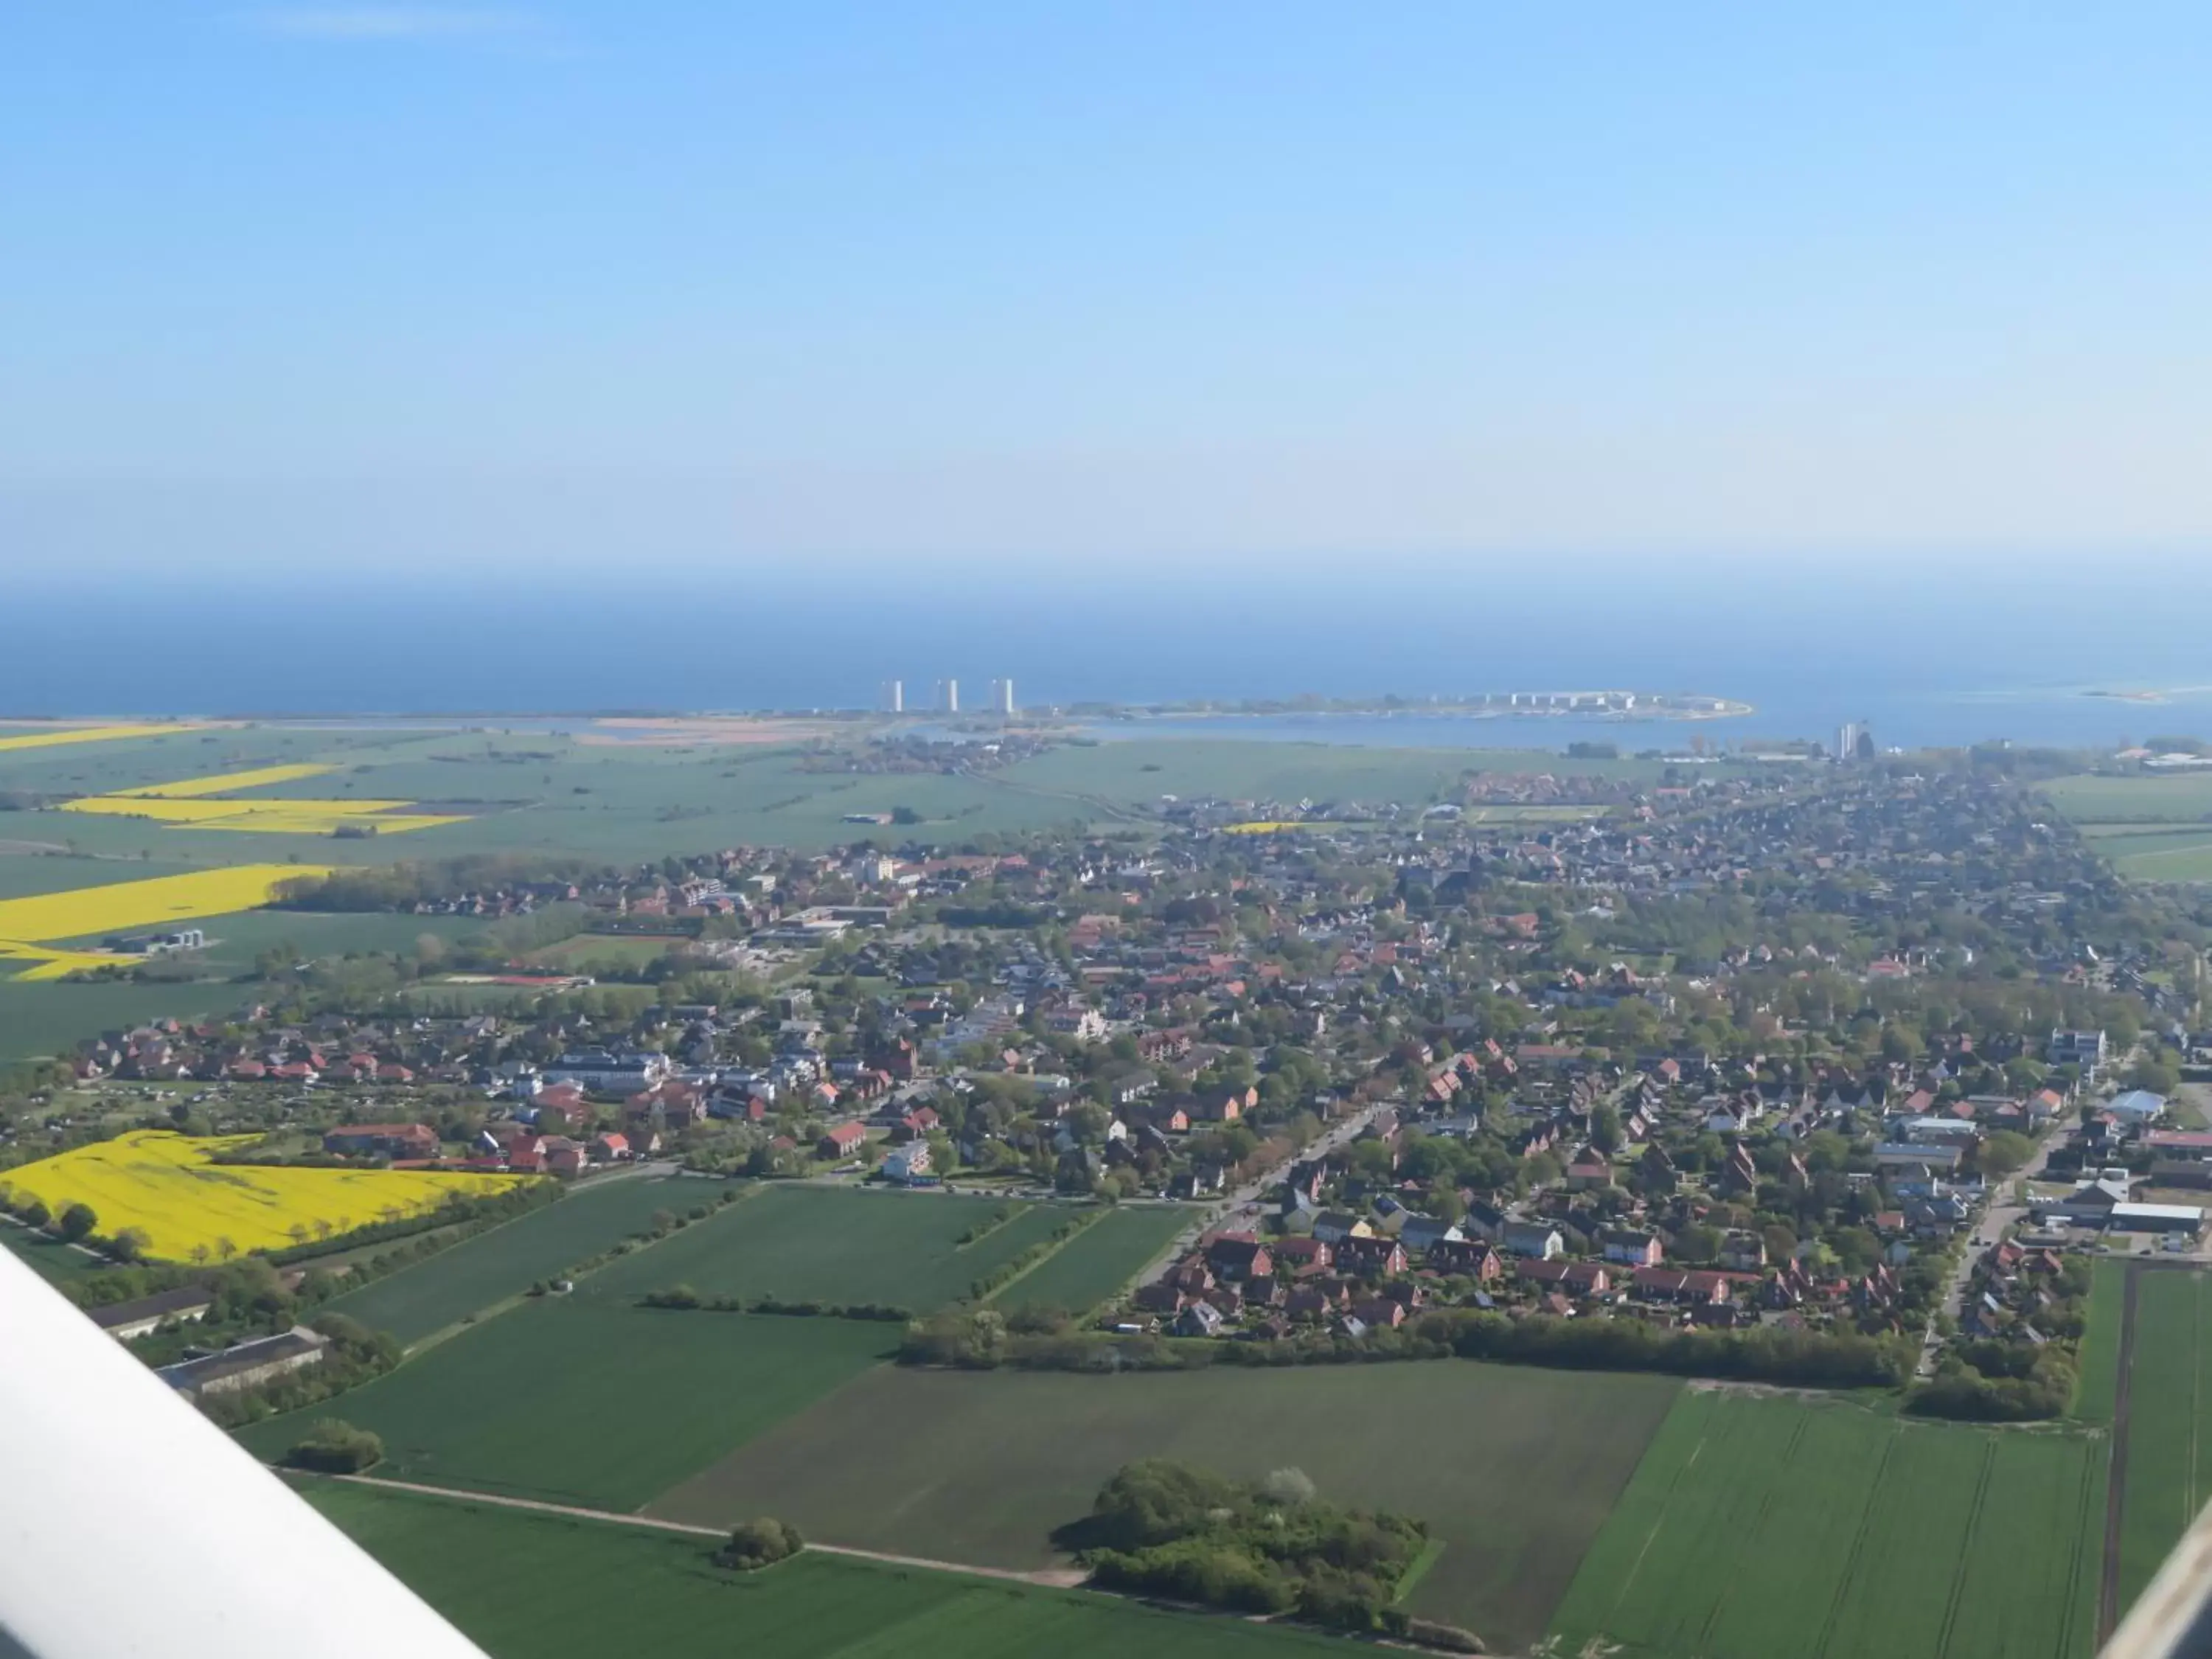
480, 1272
1098, 1262
527, 1586
1515, 1469
602, 1407
828, 1244
1758, 1526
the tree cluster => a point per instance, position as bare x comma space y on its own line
1164, 1528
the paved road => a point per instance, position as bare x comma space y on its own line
1244, 1209
1994, 1223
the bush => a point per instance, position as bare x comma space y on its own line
335, 1448
78, 1221
757, 1544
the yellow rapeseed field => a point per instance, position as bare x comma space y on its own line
124, 905
47, 962
223, 783
1265, 828
192, 1208
195, 804
85, 734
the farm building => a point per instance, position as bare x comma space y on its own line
396, 1140
2183, 1219
125, 1320
247, 1364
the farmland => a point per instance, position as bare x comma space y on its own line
191, 1206
14, 739
2151, 829
1515, 1469
1098, 1261
1849, 1534
812, 1243
2168, 1470
529, 1586
598, 1407
43, 1018
477, 1273
161, 901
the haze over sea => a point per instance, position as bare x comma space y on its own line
1927, 657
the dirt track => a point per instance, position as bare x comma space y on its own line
1057, 1578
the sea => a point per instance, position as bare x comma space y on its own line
2078, 655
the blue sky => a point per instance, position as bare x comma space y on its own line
1271, 284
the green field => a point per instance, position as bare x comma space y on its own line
2151, 829
602, 1407
527, 1586
2186, 798
1515, 1469
2100, 1344
829, 1244
1761, 1526
416, 1301
2169, 1462
1098, 1261
25, 873
52, 1018
631, 950
56, 1261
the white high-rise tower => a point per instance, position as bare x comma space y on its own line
1002, 696
952, 696
894, 697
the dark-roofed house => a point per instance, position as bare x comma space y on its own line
1582, 1278
247, 1364
126, 1320
1469, 1256
1629, 1249
1370, 1256
394, 1139
1537, 1238
1236, 1256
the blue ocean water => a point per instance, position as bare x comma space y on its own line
1926, 657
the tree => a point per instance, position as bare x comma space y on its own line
130, 1244
1288, 1487
1605, 1129
332, 1447
2002, 1153
78, 1221
761, 1543
1697, 1243
2156, 1074
34, 1212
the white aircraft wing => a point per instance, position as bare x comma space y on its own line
132, 1527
